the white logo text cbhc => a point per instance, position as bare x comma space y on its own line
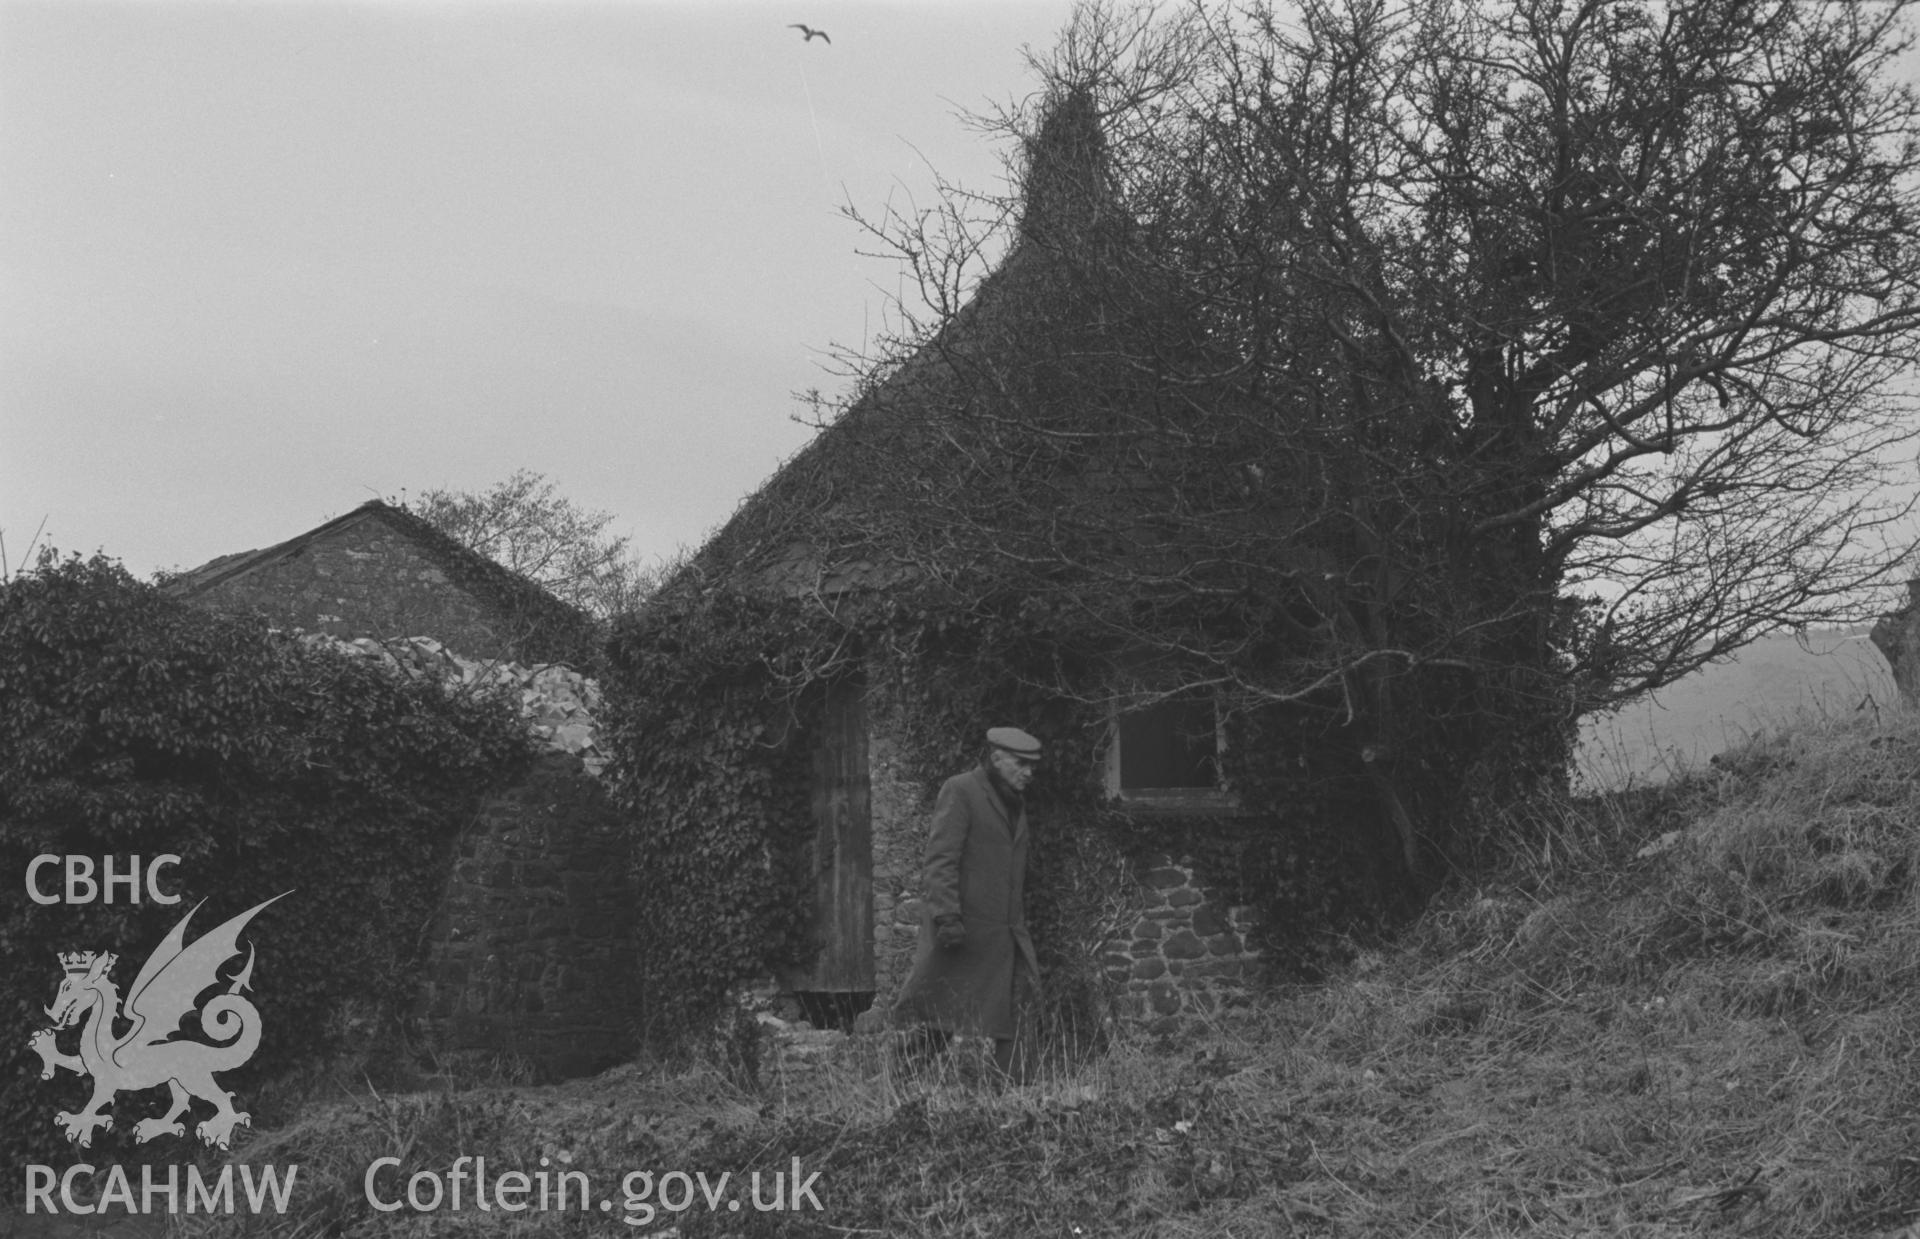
82, 887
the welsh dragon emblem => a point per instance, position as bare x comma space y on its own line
147, 1055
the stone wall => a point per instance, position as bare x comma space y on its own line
1186, 954
532, 952
902, 814
557, 703
532, 949
365, 579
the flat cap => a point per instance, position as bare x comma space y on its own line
1014, 741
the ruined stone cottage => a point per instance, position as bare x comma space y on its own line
529, 957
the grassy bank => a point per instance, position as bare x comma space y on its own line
1721, 1037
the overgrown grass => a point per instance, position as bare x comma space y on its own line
1722, 1037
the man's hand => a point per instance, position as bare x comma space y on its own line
949, 931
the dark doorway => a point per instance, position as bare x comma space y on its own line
835, 1011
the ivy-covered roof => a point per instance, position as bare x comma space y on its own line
848, 513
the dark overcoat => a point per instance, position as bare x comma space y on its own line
976, 866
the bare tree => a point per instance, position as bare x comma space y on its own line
525, 524
1447, 370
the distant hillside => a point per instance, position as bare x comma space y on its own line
1775, 680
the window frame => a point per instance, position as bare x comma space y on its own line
1217, 797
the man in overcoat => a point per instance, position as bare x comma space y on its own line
974, 952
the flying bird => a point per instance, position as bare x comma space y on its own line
809, 33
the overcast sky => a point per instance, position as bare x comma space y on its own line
262, 261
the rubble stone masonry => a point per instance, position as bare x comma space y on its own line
532, 953
1186, 953
365, 579
902, 815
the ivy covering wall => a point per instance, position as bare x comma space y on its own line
712, 769
713, 696
132, 723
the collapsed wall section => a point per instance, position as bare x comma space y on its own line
531, 955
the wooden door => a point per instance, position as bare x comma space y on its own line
842, 851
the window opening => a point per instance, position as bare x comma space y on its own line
1172, 745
